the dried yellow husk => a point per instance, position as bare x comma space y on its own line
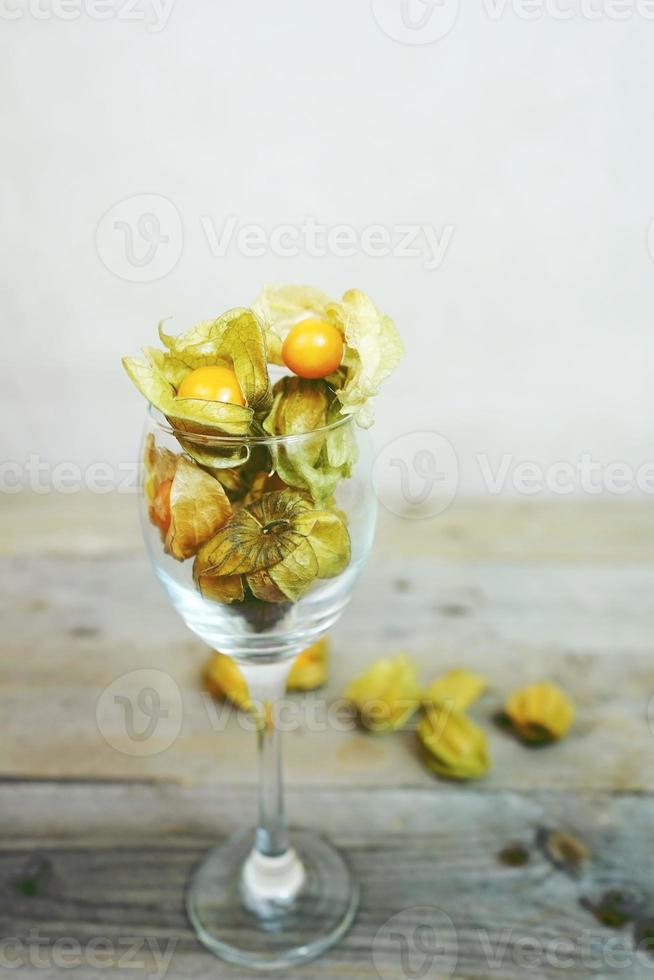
458, 688
316, 462
540, 713
279, 544
198, 504
235, 339
386, 695
455, 747
372, 345
223, 679
159, 465
198, 508
309, 670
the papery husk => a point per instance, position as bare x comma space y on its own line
317, 461
309, 670
192, 415
198, 504
455, 747
457, 688
258, 536
386, 695
540, 713
372, 345
237, 340
223, 679
279, 544
159, 464
198, 508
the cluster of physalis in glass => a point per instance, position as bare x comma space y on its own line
262, 528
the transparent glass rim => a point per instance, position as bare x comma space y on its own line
160, 421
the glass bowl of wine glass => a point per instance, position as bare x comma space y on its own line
260, 570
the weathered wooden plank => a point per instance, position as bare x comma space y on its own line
600, 530
71, 627
410, 850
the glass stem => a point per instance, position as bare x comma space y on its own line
267, 684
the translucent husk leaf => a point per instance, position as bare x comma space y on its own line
191, 415
198, 507
372, 344
159, 465
237, 339
295, 573
386, 695
279, 544
329, 539
201, 344
373, 348
455, 747
309, 670
301, 406
258, 536
540, 712
262, 587
260, 483
171, 369
220, 588
280, 307
457, 688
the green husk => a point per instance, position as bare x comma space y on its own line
279, 544
315, 463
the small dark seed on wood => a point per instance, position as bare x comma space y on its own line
453, 610
83, 632
644, 934
562, 850
31, 880
513, 855
614, 909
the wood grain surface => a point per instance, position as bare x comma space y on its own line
98, 840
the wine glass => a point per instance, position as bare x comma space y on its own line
270, 896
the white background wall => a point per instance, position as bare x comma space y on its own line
529, 142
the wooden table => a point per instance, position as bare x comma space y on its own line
98, 841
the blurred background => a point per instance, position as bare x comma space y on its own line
483, 171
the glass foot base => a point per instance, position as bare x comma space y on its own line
279, 934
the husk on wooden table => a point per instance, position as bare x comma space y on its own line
97, 842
